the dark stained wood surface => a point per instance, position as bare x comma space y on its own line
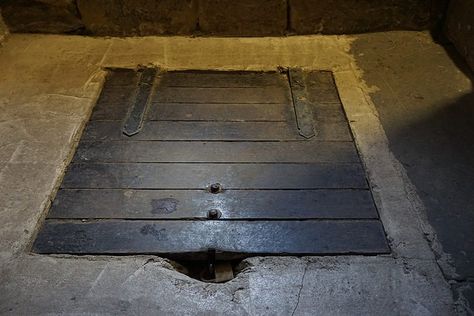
321, 88
230, 239
222, 95
189, 204
217, 131
281, 193
223, 79
199, 176
120, 77
114, 103
234, 112
219, 151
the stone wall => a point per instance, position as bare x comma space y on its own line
360, 16
460, 28
219, 17
41, 16
3, 29
243, 17
138, 17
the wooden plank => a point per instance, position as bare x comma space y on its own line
114, 100
121, 77
318, 95
220, 112
113, 103
189, 204
321, 79
223, 79
215, 131
321, 87
199, 176
221, 95
167, 130
230, 239
156, 151
328, 113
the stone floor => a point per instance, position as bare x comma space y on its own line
387, 83
426, 106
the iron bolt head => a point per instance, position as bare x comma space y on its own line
213, 214
215, 188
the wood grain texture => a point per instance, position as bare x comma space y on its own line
230, 239
225, 152
189, 204
199, 176
221, 112
215, 131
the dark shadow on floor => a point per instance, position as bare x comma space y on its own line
438, 154
425, 101
461, 64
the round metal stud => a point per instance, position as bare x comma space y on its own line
214, 214
215, 188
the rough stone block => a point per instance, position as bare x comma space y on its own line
41, 16
460, 28
138, 17
358, 16
3, 29
243, 17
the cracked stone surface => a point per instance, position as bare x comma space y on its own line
273, 286
49, 86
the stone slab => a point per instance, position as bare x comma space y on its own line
430, 130
265, 286
410, 128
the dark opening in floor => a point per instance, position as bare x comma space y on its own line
208, 270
